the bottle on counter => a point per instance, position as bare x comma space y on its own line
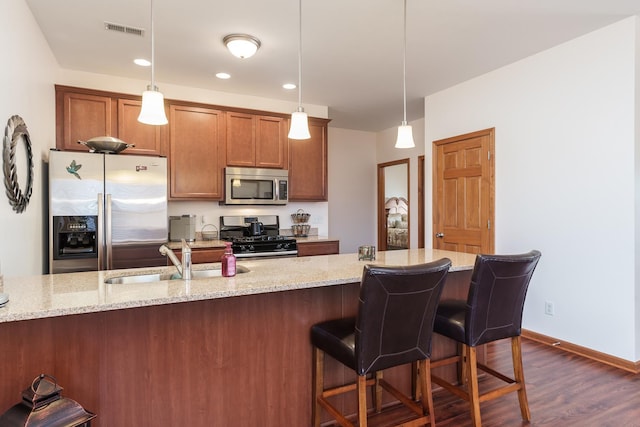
228, 261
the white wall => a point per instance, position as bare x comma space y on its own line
565, 179
26, 83
386, 152
352, 188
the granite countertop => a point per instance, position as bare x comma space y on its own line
34, 297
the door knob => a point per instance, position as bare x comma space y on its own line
440, 235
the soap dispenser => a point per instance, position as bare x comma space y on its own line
228, 261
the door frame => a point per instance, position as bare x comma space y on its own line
487, 180
382, 217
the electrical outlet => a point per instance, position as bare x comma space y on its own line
548, 308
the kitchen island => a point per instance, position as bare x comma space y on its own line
205, 352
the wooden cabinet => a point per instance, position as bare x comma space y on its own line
147, 139
308, 164
201, 256
199, 141
82, 114
326, 247
196, 152
256, 140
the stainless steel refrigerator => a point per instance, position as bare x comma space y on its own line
106, 211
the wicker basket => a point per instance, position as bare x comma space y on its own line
300, 230
300, 217
211, 233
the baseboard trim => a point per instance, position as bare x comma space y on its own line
607, 359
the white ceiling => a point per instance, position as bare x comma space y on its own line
352, 49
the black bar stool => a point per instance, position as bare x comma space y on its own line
492, 311
393, 327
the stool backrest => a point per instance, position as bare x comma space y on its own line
396, 314
496, 296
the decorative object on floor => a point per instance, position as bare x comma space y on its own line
393, 327
152, 111
492, 311
43, 406
14, 132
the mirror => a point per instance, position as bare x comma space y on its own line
393, 205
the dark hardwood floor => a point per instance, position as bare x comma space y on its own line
563, 390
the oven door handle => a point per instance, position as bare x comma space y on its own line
273, 254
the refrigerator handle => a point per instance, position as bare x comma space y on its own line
101, 265
108, 230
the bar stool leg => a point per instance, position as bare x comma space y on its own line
377, 392
472, 383
426, 397
518, 372
318, 384
362, 400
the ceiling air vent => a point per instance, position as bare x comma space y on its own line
123, 29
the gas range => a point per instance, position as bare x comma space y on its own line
256, 237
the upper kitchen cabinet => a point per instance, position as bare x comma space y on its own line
147, 138
256, 140
82, 114
308, 164
196, 152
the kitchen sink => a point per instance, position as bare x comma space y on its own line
148, 278
138, 278
212, 272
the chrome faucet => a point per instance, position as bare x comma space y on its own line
184, 267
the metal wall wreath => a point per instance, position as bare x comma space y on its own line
16, 131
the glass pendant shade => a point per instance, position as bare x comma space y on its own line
405, 136
152, 111
299, 125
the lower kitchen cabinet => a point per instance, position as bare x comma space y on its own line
201, 256
318, 248
137, 256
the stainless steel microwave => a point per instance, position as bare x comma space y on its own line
256, 186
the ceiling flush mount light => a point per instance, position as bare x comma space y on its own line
223, 76
152, 111
241, 45
142, 62
405, 133
299, 120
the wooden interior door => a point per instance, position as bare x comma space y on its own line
463, 192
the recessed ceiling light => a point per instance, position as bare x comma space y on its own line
142, 62
223, 76
289, 86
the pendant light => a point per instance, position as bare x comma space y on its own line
405, 132
299, 120
152, 111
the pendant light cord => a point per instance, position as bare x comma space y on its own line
153, 61
404, 63
299, 53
